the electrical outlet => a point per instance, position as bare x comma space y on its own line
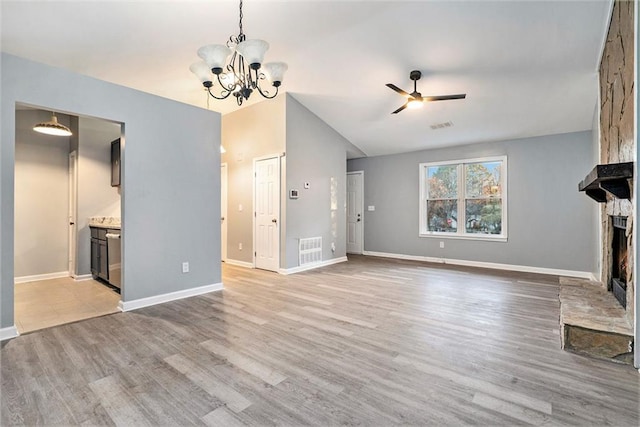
185, 267
240, 246
240, 208
441, 245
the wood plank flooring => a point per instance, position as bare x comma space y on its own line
369, 342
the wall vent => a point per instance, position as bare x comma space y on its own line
310, 250
442, 125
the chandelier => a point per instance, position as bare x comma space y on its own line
236, 68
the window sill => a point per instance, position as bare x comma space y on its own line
485, 237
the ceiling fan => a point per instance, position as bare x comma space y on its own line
415, 98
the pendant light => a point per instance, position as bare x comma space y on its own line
52, 127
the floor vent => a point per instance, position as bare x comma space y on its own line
310, 250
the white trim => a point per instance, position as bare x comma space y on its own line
490, 265
83, 277
35, 277
315, 265
239, 263
8, 333
171, 296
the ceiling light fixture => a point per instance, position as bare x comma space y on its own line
52, 127
237, 67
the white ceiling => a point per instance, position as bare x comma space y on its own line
528, 68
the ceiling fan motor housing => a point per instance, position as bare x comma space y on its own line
415, 75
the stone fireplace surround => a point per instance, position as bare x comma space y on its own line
592, 321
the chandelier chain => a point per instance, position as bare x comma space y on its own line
241, 33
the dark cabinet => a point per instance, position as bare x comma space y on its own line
99, 254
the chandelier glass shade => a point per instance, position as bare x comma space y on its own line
237, 68
52, 127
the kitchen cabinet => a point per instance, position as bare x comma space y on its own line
99, 252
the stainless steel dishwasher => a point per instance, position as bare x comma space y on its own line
114, 255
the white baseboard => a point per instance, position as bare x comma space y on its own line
238, 263
490, 265
171, 296
8, 333
83, 277
306, 267
25, 279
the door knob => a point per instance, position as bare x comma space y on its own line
72, 223
274, 220
222, 219
358, 220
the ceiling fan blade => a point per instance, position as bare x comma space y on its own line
400, 109
397, 89
443, 97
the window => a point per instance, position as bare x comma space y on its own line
464, 199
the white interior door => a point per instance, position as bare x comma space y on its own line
73, 190
267, 213
355, 208
223, 211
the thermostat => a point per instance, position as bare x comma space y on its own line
293, 194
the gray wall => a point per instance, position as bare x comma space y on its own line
254, 131
41, 197
96, 196
550, 224
316, 153
171, 181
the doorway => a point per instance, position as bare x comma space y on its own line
223, 211
355, 212
60, 181
266, 234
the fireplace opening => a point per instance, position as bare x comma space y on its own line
618, 284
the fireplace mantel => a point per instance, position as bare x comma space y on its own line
612, 178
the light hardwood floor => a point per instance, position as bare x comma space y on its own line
369, 342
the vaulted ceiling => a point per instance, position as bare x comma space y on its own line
528, 68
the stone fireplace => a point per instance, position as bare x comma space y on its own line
597, 317
617, 146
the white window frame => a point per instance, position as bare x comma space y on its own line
461, 233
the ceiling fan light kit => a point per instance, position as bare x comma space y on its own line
416, 100
238, 68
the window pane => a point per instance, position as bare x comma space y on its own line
483, 179
442, 215
484, 216
443, 182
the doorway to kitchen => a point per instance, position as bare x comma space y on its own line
60, 182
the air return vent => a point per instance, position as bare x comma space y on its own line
310, 250
441, 125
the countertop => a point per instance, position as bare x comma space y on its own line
105, 222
